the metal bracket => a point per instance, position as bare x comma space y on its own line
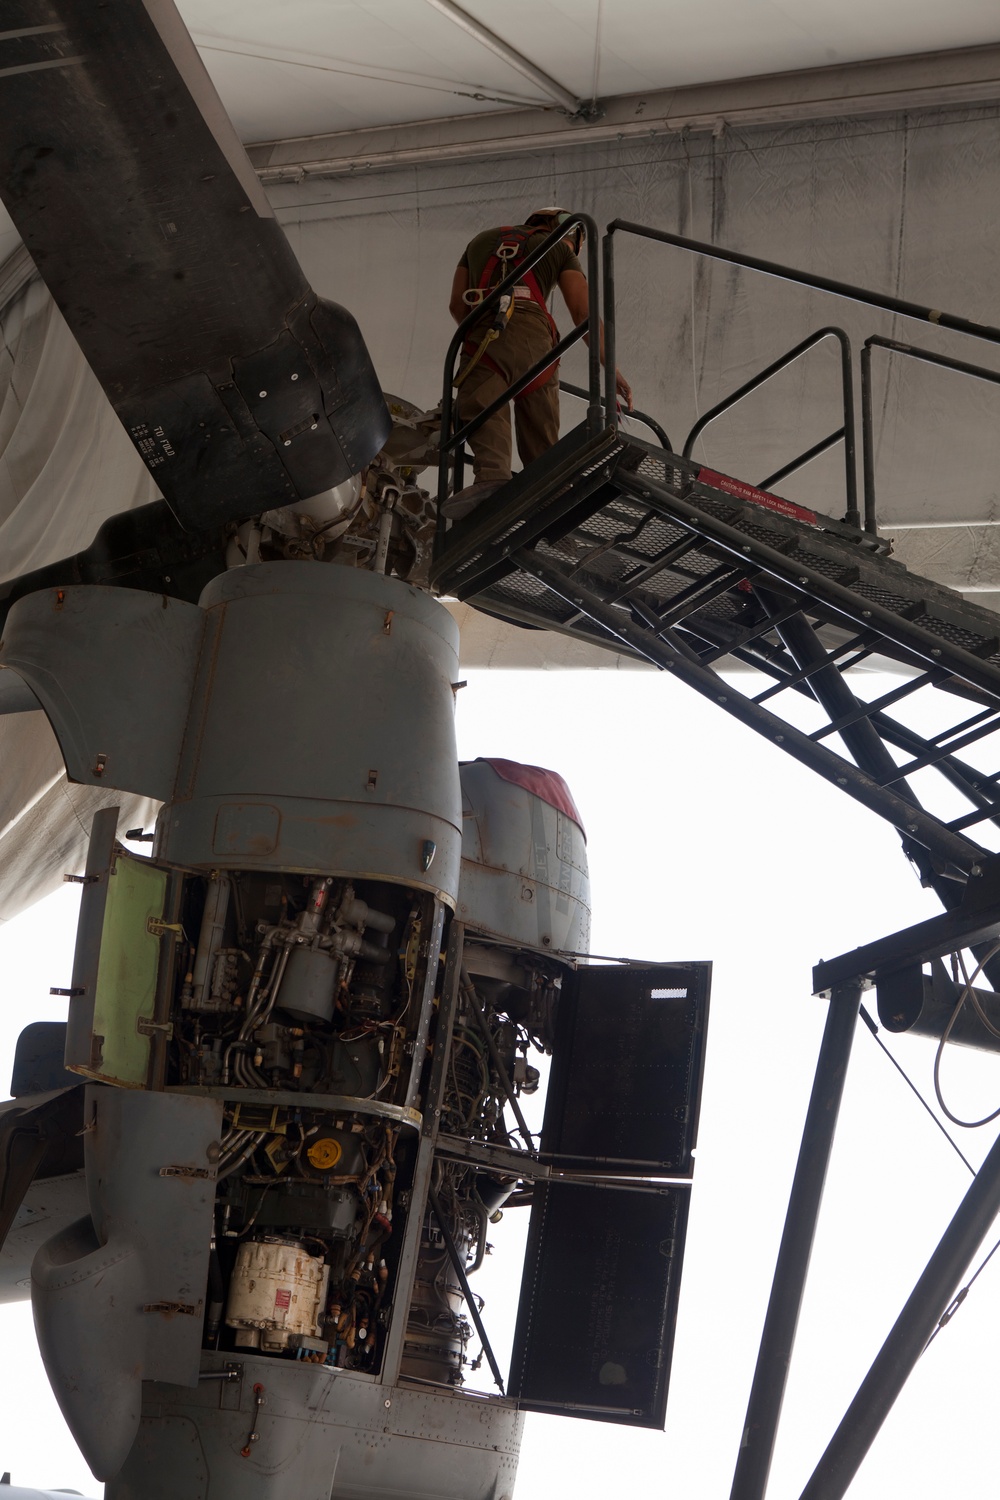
157, 927
155, 1028
226, 1375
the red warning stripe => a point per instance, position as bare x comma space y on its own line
744, 491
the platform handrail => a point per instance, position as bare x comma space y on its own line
634, 415
846, 289
909, 351
846, 432
454, 441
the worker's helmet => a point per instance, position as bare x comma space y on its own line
549, 218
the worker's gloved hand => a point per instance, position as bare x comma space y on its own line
624, 389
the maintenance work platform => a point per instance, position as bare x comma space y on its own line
778, 613
636, 547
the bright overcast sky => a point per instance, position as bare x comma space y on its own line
704, 843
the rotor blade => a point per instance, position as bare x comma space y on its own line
241, 389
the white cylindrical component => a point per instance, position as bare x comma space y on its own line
277, 1293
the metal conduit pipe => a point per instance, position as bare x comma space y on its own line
908, 1338
792, 1265
510, 55
245, 1155
831, 692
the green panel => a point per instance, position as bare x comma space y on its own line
125, 990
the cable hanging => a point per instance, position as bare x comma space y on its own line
873, 1028
966, 992
959, 1298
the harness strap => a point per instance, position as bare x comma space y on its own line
508, 254
510, 248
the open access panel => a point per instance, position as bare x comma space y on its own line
598, 1303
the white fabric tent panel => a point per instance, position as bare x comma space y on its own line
44, 819
65, 466
66, 463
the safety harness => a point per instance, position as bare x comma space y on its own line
507, 256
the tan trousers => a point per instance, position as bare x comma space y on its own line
536, 414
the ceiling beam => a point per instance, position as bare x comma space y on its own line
510, 55
888, 85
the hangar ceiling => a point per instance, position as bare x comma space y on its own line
309, 67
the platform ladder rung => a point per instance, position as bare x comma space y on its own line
920, 763
865, 710
831, 659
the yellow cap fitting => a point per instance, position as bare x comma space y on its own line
325, 1153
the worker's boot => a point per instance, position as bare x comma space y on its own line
457, 507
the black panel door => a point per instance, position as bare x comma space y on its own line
595, 1325
627, 1067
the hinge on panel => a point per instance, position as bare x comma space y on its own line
156, 927
187, 1308
186, 1172
153, 1028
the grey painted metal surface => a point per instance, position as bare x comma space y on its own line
16, 696
90, 927
524, 865
120, 1293
367, 794
49, 1206
370, 788
102, 661
323, 1435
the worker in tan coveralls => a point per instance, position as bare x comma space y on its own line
490, 364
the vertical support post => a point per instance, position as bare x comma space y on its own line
791, 1267
444, 1027
852, 514
868, 441
410, 1253
610, 389
595, 412
426, 1004
406, 1270
89, 931
908, 1337
454, 1255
